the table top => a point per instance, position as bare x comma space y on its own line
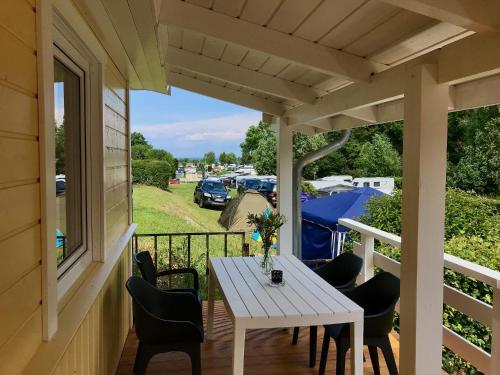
304, 299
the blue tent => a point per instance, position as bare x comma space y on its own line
320, 220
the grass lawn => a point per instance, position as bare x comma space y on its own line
158, 211
173, 211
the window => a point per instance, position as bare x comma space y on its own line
70, 158
366, 184
376, 184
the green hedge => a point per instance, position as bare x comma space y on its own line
472, 232
152, 172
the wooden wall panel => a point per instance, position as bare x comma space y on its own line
20, 270
116, 158
19, 159
20, 68
19, 19
18, 111
20, 253
97, 345
14, 309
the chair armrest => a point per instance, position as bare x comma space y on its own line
178, 271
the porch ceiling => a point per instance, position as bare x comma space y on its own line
288, 57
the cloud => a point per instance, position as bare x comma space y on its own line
219, 129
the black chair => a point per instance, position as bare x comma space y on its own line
165, 321
149, 273
378, 297
341, 273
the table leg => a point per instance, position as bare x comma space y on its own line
238, 349
211, 303
357, 348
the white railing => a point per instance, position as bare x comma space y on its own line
484, 313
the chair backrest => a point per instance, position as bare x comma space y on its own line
146, 306
146, 266
342, 271
378, 297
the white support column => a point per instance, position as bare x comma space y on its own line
284, 159
424, 175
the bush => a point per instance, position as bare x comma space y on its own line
472, 226
152, 172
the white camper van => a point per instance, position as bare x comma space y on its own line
383, 184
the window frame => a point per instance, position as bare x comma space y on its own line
68, 45
81, 69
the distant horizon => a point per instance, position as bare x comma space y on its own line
189, 125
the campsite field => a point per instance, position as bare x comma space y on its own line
159, 211
173, 211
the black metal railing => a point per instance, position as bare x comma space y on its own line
190, 249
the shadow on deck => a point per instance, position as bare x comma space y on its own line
267, 352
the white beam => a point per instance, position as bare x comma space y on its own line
471, 58
422, 259
385, 86
239, 76
341, 122
284, 185
476, 15
312, 55
368, 114
225, 94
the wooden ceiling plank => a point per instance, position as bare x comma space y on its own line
473, 15
291, 14
240, 76
258, 11
359, 23
225, 94
314, 56
230, 7
328, 15
400, 25
433, 36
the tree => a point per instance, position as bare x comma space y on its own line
254, 135
209, 158
140, 152
264, 157
231, 158
222, 158
137, 138
60, 159
379, 158
479, 167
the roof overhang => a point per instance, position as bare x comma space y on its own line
323, 65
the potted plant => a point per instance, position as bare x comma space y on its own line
267, 225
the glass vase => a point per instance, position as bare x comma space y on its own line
267, 262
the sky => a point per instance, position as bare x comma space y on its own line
188, 124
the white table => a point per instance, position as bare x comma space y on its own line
305, 300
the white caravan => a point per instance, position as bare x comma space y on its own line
383, 184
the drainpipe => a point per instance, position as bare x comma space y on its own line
298, 168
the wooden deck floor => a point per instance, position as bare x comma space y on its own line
267, 352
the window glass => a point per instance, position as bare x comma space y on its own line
366, 184
215, 186
69, 149
376, 183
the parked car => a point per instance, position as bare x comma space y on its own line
266, 187
268, 190
60, 184
211, 192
